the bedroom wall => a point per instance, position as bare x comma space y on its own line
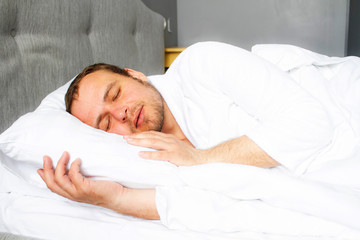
354, 29
168, 9
319, 25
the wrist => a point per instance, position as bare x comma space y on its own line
137, 202
120, 200
115, 200
204, 156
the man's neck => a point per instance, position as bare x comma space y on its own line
171, 126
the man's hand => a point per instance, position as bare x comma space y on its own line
169, 148
73, 185
241, 150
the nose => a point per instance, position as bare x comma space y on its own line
120, 113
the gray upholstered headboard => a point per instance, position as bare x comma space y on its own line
44, 43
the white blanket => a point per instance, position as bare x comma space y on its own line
222, 201
256, 199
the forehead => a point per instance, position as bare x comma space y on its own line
97, 82
100, 78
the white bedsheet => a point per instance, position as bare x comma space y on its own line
224, 201
258, 200
215, 211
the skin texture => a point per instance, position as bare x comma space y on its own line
112, 102
240, 150
138, 112
72, 185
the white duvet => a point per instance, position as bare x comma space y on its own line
214, 201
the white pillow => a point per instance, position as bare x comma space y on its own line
50, 130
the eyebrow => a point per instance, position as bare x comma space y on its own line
106, 94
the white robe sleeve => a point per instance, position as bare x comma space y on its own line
292, 126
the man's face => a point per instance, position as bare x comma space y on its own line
118, 104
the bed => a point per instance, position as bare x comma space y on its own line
44, 44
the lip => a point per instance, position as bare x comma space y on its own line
139, 117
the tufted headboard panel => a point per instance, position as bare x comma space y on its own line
44, 43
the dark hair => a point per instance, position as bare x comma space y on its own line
73, 90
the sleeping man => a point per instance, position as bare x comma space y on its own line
216, 103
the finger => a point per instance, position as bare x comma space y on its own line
76, 176
47, 165
153, 143
155, 155
48, 170
48, 176
41, 173
62, 178
60, 170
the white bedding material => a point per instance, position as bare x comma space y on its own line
60, 131
239, 202
336, 83
323, 165
212, 215
265, 194
249, 96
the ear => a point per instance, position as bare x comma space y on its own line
136, 74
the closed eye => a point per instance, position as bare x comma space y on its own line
116, 95
107, 124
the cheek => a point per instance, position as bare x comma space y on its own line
120, 129
130, 98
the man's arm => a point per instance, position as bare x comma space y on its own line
73, 185
241, 150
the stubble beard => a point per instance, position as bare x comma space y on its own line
154, 121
